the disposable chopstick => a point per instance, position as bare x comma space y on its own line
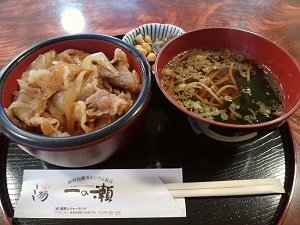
226, 188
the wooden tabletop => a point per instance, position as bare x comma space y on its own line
23, 23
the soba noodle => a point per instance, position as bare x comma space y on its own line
223, 85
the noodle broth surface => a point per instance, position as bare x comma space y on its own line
223, 85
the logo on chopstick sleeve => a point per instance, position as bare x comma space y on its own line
40, 192
103, 191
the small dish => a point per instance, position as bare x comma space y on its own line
154, 30
150, 38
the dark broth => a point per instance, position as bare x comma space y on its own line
223, 85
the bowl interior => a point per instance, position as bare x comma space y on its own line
274, 57
18, 66
154, 30
90, 43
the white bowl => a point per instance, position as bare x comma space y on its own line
154, 30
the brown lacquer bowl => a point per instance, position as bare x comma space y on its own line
275, 58
88, 148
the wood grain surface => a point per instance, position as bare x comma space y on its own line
24, 23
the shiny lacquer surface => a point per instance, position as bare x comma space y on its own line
24, 23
